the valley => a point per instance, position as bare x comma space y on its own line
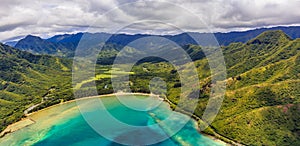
261, 104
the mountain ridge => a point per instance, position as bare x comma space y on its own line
67, 43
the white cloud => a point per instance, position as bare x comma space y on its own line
20, 18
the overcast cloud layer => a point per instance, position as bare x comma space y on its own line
46, 18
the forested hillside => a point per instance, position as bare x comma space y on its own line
27, 79
262, 101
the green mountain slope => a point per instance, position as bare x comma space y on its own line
262, 101
27, 79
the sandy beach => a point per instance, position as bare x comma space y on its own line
16, 126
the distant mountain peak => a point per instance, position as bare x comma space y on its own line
35, 44
29, 39
270, 37
32, 37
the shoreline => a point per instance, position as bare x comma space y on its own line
89, 97
22, 123
215, 136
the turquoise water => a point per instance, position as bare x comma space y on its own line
66, 125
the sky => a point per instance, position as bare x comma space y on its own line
19, 18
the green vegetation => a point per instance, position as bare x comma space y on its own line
261, 105
26, 80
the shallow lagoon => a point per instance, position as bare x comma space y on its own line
65, 124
